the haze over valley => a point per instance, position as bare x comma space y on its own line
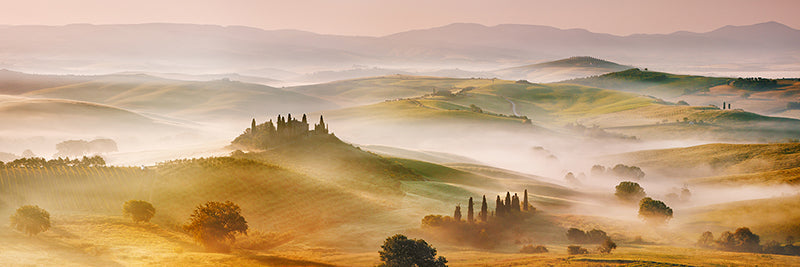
192, 144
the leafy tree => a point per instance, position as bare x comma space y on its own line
596, 236
31, 220
470, 212
607, 246
654, 211
457, 213
629, 191
598, 170
139, 210
745, 240
102, 145
706, 239
400, 251
484, 210
215, 223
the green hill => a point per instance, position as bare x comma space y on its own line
559, 70
658, 84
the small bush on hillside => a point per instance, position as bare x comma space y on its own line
576, 250
31, 220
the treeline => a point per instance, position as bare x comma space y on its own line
482, 231
755, 84
77, 148
621, 171
284, 130
743, 240
94, 161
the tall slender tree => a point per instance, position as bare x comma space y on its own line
515, 204
457, 213
498, 207
253, 127
507, 203
470, 214
525, 201
484, 210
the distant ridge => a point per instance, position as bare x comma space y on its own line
564, 69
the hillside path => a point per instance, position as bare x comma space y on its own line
513, 106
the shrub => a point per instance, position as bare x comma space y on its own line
139, 210
31, 220
607, 246
576, 250
531, 249
629, 191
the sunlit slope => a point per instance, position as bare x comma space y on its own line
658, 84
772, 219
14, 83
38, 116
559, 70
716, 159
377, 89
207, 101
314, 188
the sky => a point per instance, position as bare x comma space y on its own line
382, 17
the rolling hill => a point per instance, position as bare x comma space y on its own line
559, 70
211, 101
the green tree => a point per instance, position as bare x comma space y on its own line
654, 211
576, 235
399, 251
31, 220
139, 210
214, 224
629, 191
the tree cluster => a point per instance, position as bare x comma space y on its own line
77, 148
215, 224
578, 236
94, 161
627, 172
531, 249
743, 240
284, 130
629, 191
482, 231
31, 220
756, 84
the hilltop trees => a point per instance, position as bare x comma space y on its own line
31, 220
629, 191
654, 211
214, 224
284, 130
399, 251
139, 210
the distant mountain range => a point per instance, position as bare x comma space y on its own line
275, 54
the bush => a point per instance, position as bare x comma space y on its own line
654, 211
576, 250
531, 249
706, 240
576, 235
627, 172
31, 220
139, 210
398, 251
214, 224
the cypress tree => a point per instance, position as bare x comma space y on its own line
253, 127
525, 201
457, 213
515, 204
304, 119
470, 214
498, 207
484, 210
507, 203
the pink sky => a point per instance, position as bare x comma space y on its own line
377, 17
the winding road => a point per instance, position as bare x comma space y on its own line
513, 106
